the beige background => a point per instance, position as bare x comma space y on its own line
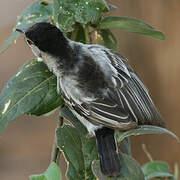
26, 144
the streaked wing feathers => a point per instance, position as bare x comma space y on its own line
132, 97
135, 96
123, 106
106, 112
137, 100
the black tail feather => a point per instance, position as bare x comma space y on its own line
109, 159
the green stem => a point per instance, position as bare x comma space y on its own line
55, 153
86, 29
74, 33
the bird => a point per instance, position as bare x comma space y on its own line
98, 85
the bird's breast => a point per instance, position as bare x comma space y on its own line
52, 64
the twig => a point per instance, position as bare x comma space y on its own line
55, 153
146, 152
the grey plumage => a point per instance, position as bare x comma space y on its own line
106, 91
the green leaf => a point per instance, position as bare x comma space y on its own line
39, 11
52, 173
125, 146
88, 11
31, 91
66, 13
62, 18
79, 150
12, 38
131, 25
130, 169
109, 39
38, 177
156, 169
144, 129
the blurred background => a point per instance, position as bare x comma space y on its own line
25, 146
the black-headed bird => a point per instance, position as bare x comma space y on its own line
99, 87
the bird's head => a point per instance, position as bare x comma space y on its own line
45, 37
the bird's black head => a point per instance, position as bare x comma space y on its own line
47, 37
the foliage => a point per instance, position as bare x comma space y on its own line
144, 129
79, 150
72, 15
33, 89
130, 169
37, 12
156, 169
131, 25
52, 173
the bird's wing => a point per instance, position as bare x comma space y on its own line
127, 104
134, 94
106, 112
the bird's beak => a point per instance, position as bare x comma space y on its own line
20, 30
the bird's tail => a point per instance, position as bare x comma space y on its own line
109, 159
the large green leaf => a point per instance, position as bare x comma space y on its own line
131, 25
156, 169
39, 11
62, 18
130, 169
67, 12
79, 150
52, 173
31, 91
144, 129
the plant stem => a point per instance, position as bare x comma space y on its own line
55, 153
86, 29
74, 34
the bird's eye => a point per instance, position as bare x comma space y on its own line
29, 42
